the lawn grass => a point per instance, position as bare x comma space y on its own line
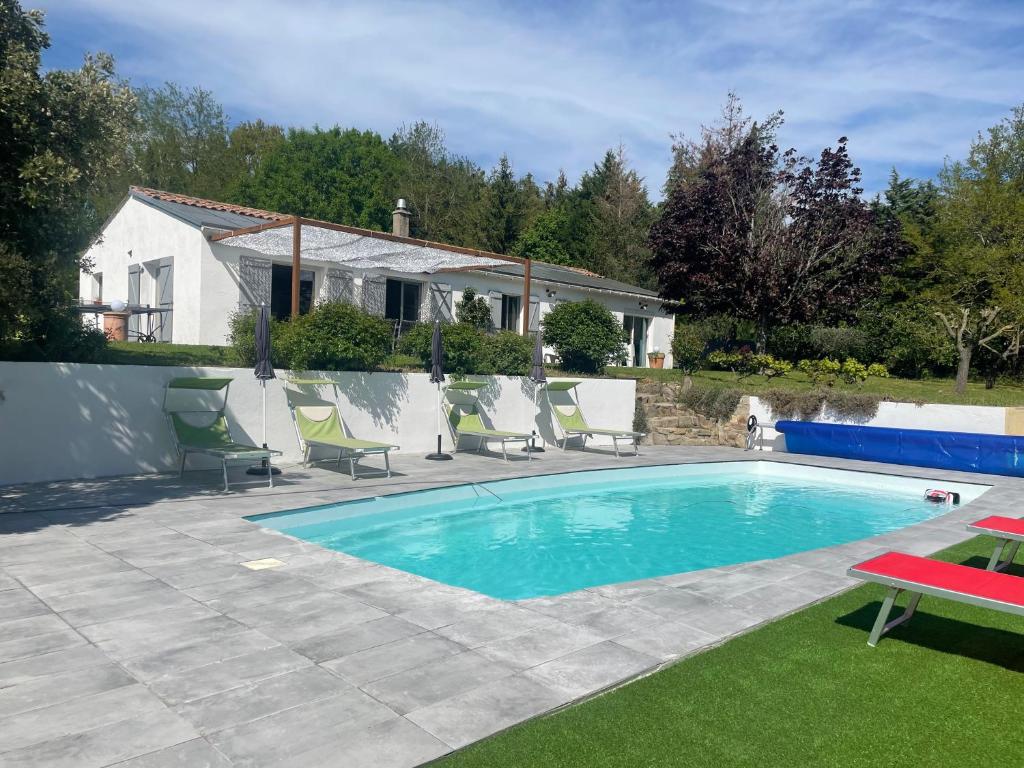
944, 690
902, 390
136, 353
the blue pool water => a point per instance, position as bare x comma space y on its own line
516, 539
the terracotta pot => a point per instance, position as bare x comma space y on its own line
656, 360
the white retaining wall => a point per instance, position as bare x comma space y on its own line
63, 421
987, 420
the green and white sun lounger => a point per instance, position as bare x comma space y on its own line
203, 427
571, 422
465, 420
320, 426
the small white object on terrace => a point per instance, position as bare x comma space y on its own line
358, 251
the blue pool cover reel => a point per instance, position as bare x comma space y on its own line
963, 451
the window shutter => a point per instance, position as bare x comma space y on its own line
534, 314
441, 303
254, 278
374, 295
494, 297
339, 287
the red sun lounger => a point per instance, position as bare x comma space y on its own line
1008, 533
920, 576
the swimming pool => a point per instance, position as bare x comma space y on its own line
545, 535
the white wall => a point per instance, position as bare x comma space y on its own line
140, 234
63, 421
950, 418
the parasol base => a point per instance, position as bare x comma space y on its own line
438, 457
532, 450
260, 469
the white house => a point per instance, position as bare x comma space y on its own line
200, 260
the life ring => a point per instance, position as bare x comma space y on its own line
751, 423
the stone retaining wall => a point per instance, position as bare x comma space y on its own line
670, 423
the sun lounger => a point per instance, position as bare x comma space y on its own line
919, 576
571, 422
200, 426
319, 426
1008, 533
465, 420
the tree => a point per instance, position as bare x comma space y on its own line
771, 238
978, 275
62, 132
442, 188
344, 176
624, 216
506, 208
249, 144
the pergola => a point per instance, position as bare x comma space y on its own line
356, 248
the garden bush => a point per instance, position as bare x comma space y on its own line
465, 347
242, 338
746, 363
688, 348
839, 343
791, 342
585, 335
510, 354
911, 342
473, 309
333, 337
793, 404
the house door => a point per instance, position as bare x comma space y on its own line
165, 298
636, 327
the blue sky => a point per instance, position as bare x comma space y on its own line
555, 84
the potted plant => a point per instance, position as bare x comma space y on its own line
656, 358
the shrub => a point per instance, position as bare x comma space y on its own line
852, 406
717, 331
473, 309
793, 404
839, 343
510, 354
465, 347
853, 372
585, 335
333, 337
711, 402
242, 338
791, 342
640, 418
688, 348
824, 372
65, 340
911, 342
749, 364
878, 370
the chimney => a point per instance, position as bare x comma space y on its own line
400, 219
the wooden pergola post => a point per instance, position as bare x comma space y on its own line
526, 297
296, 263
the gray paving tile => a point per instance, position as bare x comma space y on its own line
591, 669
320, 621
448, 611
20, 604
540, 645
666, 641
77, 716
437, 680
383, 660
53, 689
125, 608
259, 699
111, 593
673, 603
197, 753
485, 626
104, 745
772, 600
32, 626
723, 621
25, 647
73, 586
612, 622
570, 607
55, 662
345, 642
192, 652
141, 635
471, 716
200, 682
271, 740
395, 743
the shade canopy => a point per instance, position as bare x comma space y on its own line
436, 356
264, 370
356, 251
537, 374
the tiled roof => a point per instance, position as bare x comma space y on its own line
212, 205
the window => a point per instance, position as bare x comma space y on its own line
134, 297
281, 291
402, 301
511, 312
97, 286
636, 329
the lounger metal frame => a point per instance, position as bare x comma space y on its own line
482, 437
352, 454
1005, 551
225, 457
916, 590
633, 437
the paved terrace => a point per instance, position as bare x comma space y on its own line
131, 635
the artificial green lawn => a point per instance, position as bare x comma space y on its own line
947, 689
136, 353
903, 390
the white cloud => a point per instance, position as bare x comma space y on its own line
556, 85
